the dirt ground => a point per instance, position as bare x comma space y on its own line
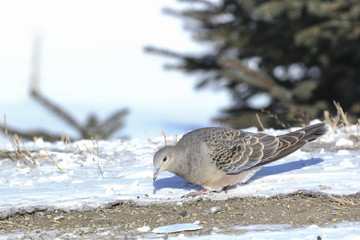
122, 219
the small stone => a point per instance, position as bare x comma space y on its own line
184, 213
59, 218
215, 209
161, 219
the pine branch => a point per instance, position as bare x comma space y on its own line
59, 112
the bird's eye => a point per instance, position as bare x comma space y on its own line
165, 159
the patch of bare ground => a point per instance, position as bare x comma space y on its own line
124, 218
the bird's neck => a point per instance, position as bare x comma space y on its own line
180, 165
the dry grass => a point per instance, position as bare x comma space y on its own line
53, 162
340, 122
67, 141
260, 123
274, 116
92, 152
22, 156
167, 141
342, 200
19, 153
26, 158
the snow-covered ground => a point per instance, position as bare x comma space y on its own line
89, 174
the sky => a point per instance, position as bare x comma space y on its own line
92, 56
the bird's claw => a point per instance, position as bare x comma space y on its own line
196, 193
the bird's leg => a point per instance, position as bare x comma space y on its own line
227, 188
196, 193
203, 191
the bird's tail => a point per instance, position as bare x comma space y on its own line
290, 142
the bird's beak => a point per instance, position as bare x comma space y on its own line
156, 172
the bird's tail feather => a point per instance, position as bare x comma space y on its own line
292, 141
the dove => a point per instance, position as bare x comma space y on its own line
216, 158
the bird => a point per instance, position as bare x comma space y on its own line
217, 158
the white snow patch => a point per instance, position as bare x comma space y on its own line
29, 183
144, 174
348, 164
77, 181
144, 229
177, 228
264, 227
343, 152
342, 142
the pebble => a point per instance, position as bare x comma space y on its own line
183, 213
215, 209
59, 218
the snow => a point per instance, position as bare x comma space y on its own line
349, 231
344, 143
91, 174
177, 228
144, 229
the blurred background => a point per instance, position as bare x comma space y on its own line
91, 60
100, 69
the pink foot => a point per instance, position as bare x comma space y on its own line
196, 193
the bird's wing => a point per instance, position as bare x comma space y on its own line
234, 151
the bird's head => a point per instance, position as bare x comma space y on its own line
163, 160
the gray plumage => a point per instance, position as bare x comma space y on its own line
219, 157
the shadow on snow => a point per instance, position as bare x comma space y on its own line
176, 182
285, 167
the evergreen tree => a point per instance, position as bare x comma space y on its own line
300, 56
